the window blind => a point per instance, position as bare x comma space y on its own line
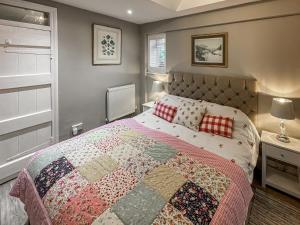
157, 53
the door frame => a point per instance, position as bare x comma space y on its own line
54, 51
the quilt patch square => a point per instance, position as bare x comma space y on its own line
170, 215
115, 129
115, 185
213, 181
97, 168
74, 144
51, 173
164, 180
87, 153
97, 135
140, 206
139, 166
83, 208
206, 177
108, 218
161, 152
195, 203
42, 160
122, 153
141, 142
108, 144
183, 165
62, 190
129, 134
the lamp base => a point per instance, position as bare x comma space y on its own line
283, 138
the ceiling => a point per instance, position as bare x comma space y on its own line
145, 11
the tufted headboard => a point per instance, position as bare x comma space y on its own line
238, 92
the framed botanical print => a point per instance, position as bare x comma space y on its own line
107, 45
210, 50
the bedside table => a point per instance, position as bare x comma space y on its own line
286, 152
148, 105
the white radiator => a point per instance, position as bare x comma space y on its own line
120, 101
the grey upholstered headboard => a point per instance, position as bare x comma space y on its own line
238, 92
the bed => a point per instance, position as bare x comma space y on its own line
145, 170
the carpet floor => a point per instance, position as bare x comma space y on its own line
268, 210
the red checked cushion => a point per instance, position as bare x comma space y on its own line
218, 125
164, 111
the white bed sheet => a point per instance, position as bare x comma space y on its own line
237, 148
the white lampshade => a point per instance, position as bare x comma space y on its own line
157, 86
283, 108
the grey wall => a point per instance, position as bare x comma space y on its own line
264, 42
82, 86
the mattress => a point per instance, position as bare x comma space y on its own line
136, 171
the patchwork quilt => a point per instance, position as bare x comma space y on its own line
125, 174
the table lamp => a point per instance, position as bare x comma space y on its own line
284, 109
157, 88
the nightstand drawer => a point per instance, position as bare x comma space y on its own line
281, 154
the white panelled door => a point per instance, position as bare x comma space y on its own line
28, 88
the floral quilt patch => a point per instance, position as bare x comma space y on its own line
212, 181
41, 160
83, 208
170, 215
164, 180
107, 144
51, 173
115, 129
85, 154
140, 206
123, 153
115, 185
108, 218
128, 135
62, 190
141, 142
97, 168
183, 165
196, 204
140, 165
94, 137
161, 152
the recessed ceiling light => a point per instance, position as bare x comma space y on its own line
129, 11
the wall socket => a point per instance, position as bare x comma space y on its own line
77, 129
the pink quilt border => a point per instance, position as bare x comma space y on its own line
25, 190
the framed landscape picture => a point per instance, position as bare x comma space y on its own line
210, 50
107, 45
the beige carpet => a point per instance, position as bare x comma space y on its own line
267, 210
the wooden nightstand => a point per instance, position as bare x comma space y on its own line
286, 152
148, 105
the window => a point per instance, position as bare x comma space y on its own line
18, 14
157, 53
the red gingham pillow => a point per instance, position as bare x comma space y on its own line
218, 125
164, 111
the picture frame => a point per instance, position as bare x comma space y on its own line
210, 50
107, 45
